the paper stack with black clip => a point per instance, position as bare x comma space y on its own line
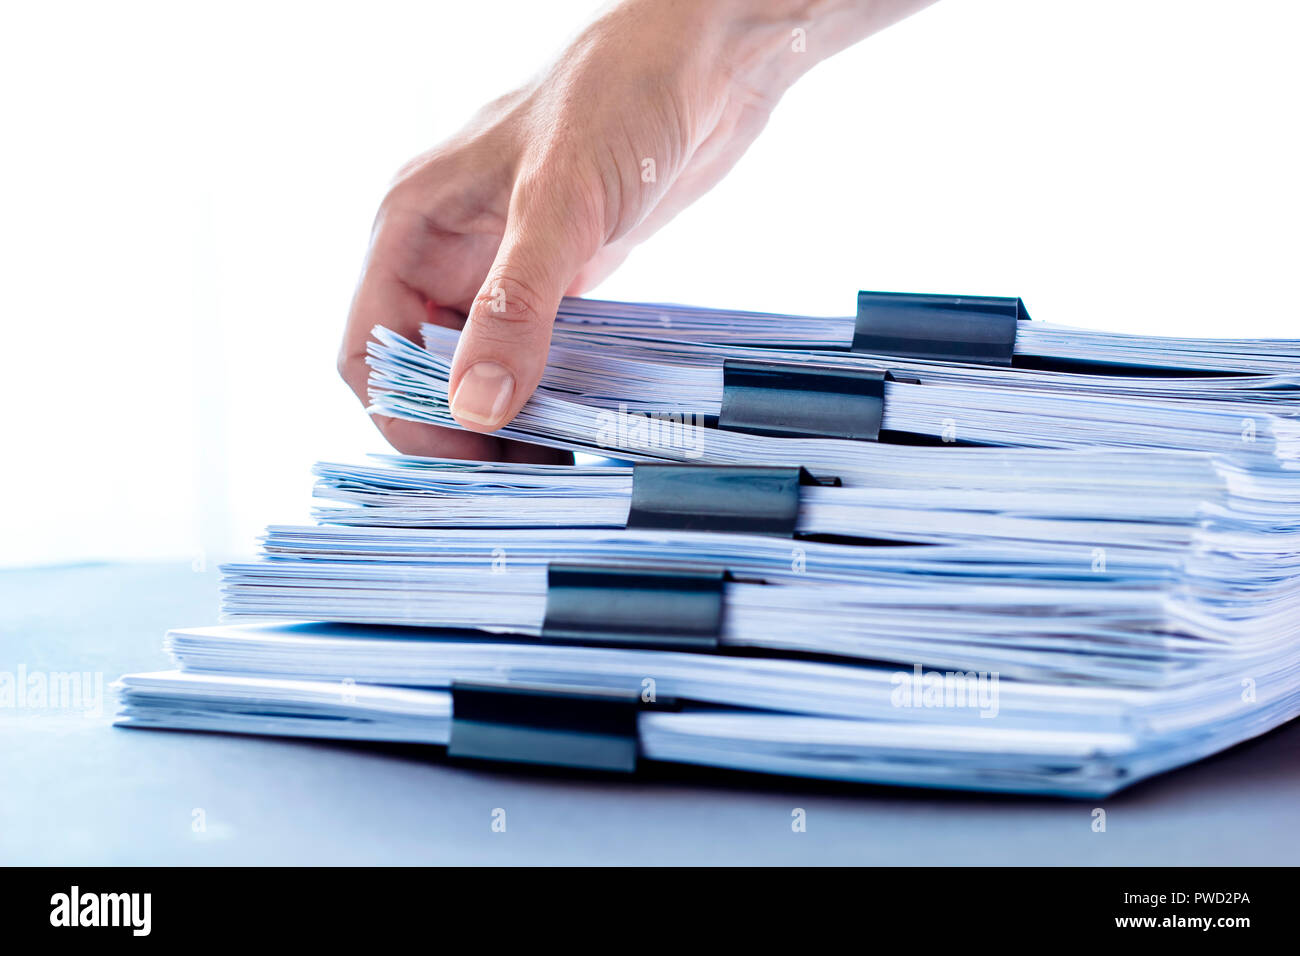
889, 567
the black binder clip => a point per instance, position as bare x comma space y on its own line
665, 608
741, 499
978, 329
802, 401
593, 730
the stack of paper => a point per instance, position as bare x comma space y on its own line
1109, 593
653, 406
874, 724
1033, 340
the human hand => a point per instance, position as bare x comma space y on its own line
547, 189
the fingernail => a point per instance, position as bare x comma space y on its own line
484, 394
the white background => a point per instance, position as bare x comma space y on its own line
186, 190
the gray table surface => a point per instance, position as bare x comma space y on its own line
74, 790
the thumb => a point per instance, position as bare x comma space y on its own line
550, 234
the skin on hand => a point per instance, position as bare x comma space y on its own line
548, 188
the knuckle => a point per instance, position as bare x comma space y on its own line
352, 369
397, 212
399, 196
560, 184
406, 179
562, 189
510, 298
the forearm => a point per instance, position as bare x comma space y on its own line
764, 45
771, 43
